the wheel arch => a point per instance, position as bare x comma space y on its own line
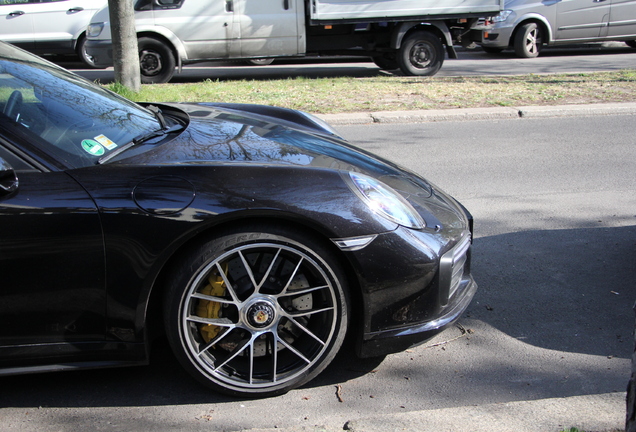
538, 20
169, 39
151, 301
439, 29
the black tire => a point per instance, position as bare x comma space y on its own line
528, 40
491, 50
386, 62
631, 43
80, 48
156, 60
257, 311
259, 62
421, 54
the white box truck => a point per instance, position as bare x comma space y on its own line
411, 35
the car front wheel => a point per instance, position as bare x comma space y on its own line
83, 55
528, 41
257, 312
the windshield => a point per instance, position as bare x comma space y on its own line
64, 115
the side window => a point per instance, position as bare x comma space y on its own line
17, 163
17, 2
168, 4
143, 5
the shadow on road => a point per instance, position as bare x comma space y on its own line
569, 290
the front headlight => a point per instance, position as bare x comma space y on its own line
94, 29
503, 15
386, 202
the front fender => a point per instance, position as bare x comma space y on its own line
403, 28
164, 33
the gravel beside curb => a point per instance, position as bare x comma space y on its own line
493, 113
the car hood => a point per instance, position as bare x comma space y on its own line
221, 135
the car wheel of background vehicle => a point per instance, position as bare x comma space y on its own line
421, 54
156, 60
492, 50
257, 311
631, 43
528, 40
12, 107
83, 55
386, 62
259, 62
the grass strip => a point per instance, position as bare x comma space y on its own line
347, 94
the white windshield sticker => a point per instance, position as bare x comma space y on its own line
105, 141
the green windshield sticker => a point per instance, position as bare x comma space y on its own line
93, 147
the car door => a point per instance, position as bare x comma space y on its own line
623, 18
51, 261
582, 19
17, 22
269, 27
56, 24
205, 27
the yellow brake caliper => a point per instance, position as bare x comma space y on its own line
211, 309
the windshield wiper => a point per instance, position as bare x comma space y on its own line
158, 115
141, 139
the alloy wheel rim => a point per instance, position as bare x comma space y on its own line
259, 316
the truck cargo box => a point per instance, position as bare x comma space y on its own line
389, 10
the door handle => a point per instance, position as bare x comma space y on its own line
76, 9
229, 6
16, 13
286, 4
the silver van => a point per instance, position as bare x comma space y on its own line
527, 25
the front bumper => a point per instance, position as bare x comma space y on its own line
422, 285
101, 52
498, 37
395, 340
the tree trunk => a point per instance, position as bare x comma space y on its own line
125, 50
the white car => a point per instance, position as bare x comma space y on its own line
527, 25
48, 27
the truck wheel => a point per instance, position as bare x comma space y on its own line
156, 61
421, 54
528, 40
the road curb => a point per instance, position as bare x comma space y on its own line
598, 413
492, 113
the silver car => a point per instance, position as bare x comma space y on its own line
48, 27
527, 25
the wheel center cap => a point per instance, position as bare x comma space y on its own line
260, 314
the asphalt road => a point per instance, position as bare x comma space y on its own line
585, 58
554, 255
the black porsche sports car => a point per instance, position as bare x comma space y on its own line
253, 237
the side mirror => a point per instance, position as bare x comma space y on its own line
8, 178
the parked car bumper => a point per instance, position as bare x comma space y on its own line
101, 52
498, 37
